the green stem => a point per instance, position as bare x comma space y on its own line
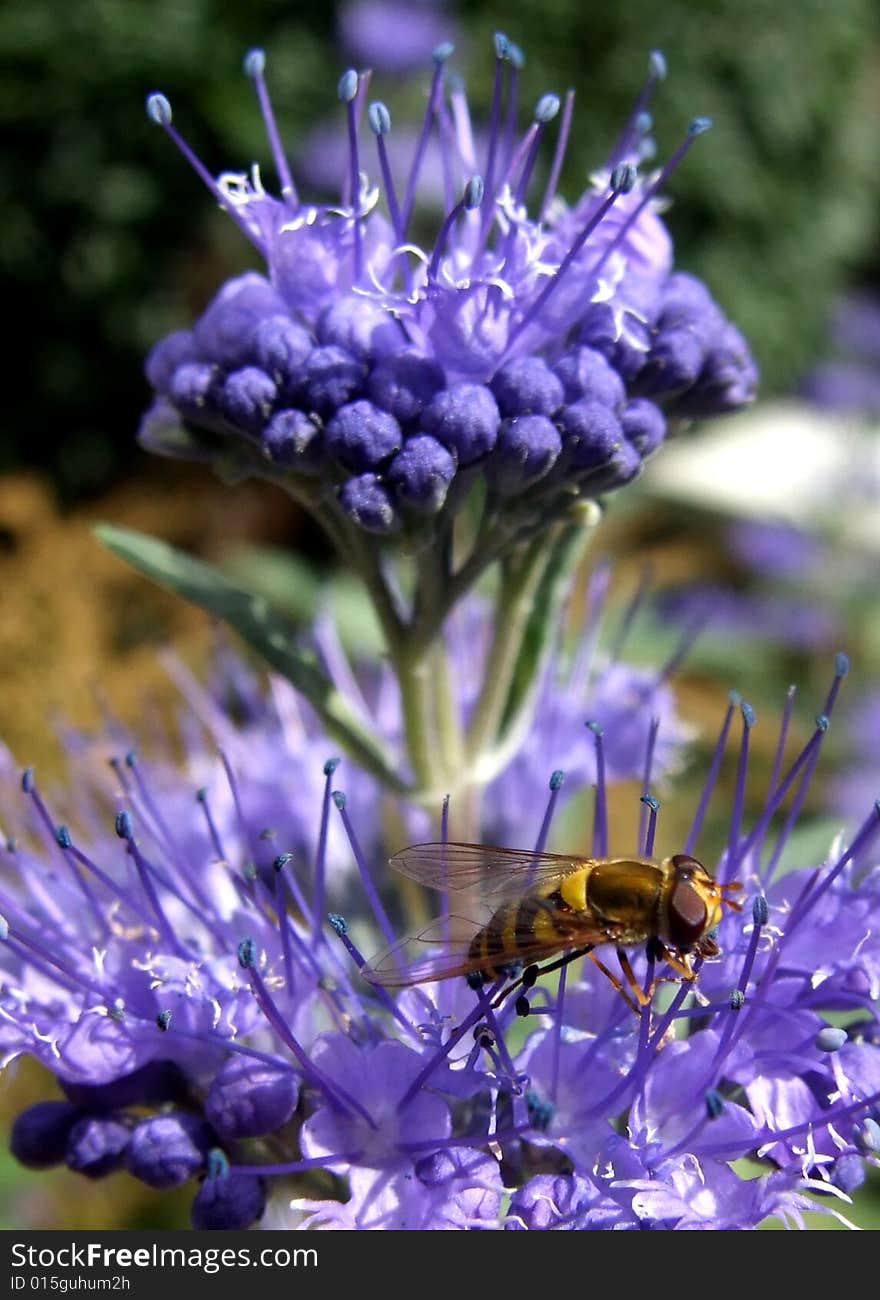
515, 599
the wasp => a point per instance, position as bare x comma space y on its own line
537, 906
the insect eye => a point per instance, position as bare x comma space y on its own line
686, 867
687, 914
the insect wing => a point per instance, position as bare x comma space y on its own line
495, 872
439, 951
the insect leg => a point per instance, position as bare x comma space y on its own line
642, 996
612, 978
531, 973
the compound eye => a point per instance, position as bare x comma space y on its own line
688, 917
686, 867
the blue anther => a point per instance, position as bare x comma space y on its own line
62, 835
163, 1020
822, 722
216, 1163
124, 826
247, 953
159, 109
748, 715
841, 664
281, 861
830, 1039
737, 1000
714, 1103
27, 780
379, 118
760, 910
596, 727
330, 766
546, 108
338, 923
338, 798
254, 63
348, 86
473, 193
502, 46
443, 51
651, 802
699, 125
657, 64
556, 779
623, 178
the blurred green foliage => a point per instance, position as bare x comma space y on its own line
108, 240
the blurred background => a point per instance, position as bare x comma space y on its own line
766, 525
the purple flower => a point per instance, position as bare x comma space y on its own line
183, 965
418, 27
568, 324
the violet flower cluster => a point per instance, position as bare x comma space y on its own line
542, 352
207, 1019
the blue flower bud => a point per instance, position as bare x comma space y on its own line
332, 377
97, 1145
281, 348
357, 325
585, 373
366, 500
293, 440
166, 1150
248, 1098
644, 425
526, 450
246, 398
169, 353
591, 434
465, 418
193, 388
527, 386
421, 473
151, 1084
675, 361
224, 333
229, 1203
360, 436
40, 1133
404, 384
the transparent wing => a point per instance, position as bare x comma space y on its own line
442, 950
431, 954
495, 872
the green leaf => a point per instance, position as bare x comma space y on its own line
263, 628
294, 588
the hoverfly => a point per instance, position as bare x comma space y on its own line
540, 905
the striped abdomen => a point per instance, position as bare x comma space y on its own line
538, 923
